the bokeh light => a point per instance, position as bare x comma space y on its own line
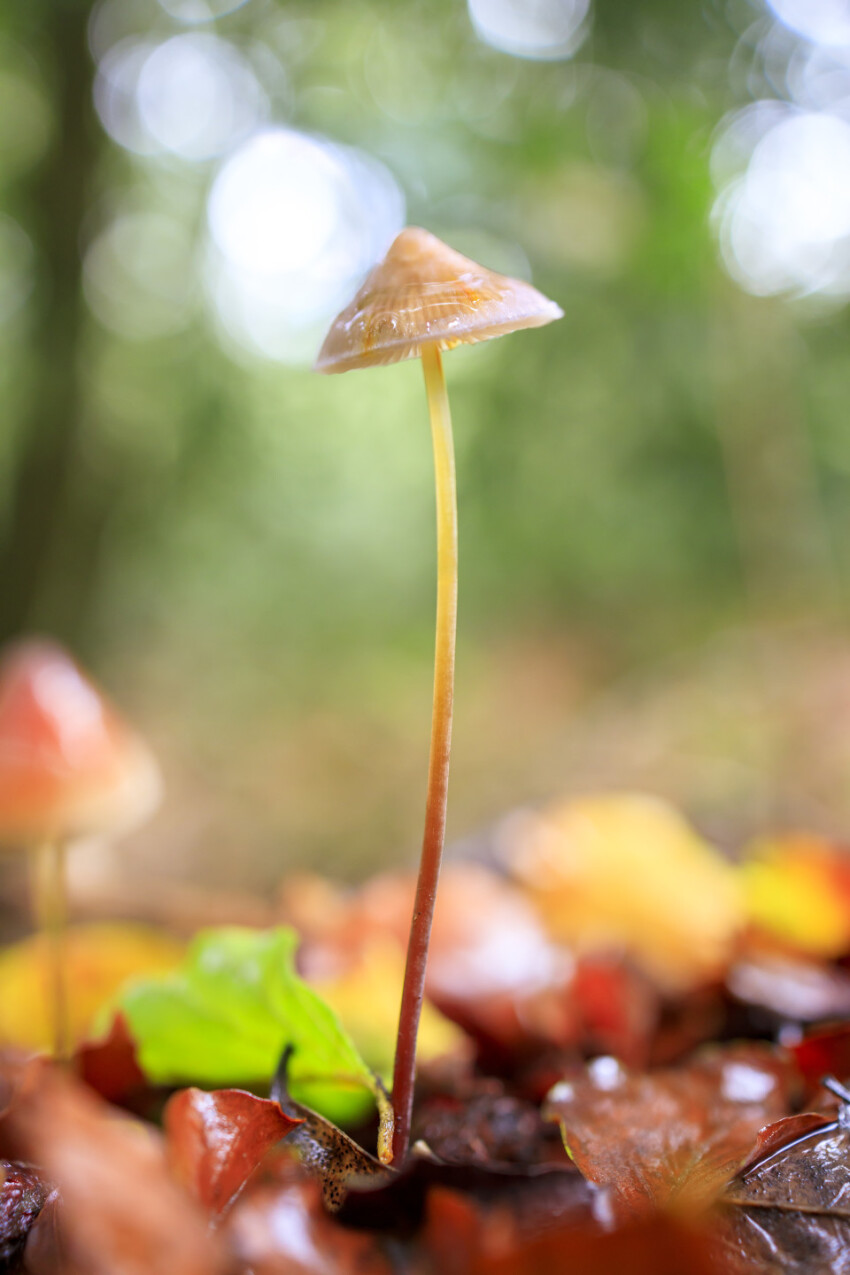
295, 222
194, 95
784, 222
543, 29
196, 11
140, 275
822, 21
198, 96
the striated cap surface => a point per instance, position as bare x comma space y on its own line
425, 293
69, 766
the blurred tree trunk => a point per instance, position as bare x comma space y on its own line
56, 200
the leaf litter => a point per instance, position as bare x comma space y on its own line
696, 1133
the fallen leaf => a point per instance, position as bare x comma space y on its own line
618, 1008
491, 967
109, 1066
99, 960
230, 1010
279, 1227
797, 890
366, 997
216, 1140
824, 1053
793, 988
627, 872
789, 1213
329, 1155
782, 1134
22, 1197
121, 1212
671, 1138
463, 1239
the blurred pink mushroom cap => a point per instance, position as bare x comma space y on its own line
69, 765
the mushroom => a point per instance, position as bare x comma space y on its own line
69, 768
423, 298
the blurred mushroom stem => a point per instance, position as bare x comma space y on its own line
50, 909
441, 738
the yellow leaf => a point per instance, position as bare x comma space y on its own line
797, 890
367, 995
100, 958
626, 871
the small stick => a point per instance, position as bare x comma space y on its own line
50, 910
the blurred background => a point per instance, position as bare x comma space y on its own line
654, 492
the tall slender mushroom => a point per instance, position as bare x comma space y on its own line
69, 768
423, 298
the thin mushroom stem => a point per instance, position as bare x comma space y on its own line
438, 768
51, 917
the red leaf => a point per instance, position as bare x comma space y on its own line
780, 1136
217, 1139
109, 1066
824, 1053
463, 1239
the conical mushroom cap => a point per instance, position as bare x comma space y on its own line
425, 293
69, 766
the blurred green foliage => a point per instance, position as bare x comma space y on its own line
241, 540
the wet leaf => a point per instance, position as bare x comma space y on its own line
216, 1140
120, 1209
99, 960
226, 1015
22, 1197
797, 890
627, 872
674, 1137
789, 1213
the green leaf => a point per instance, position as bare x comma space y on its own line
226, 1014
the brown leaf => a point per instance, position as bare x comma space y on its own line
338, 1162
674, 1137
790, 1212
121, 1214
216, 1140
